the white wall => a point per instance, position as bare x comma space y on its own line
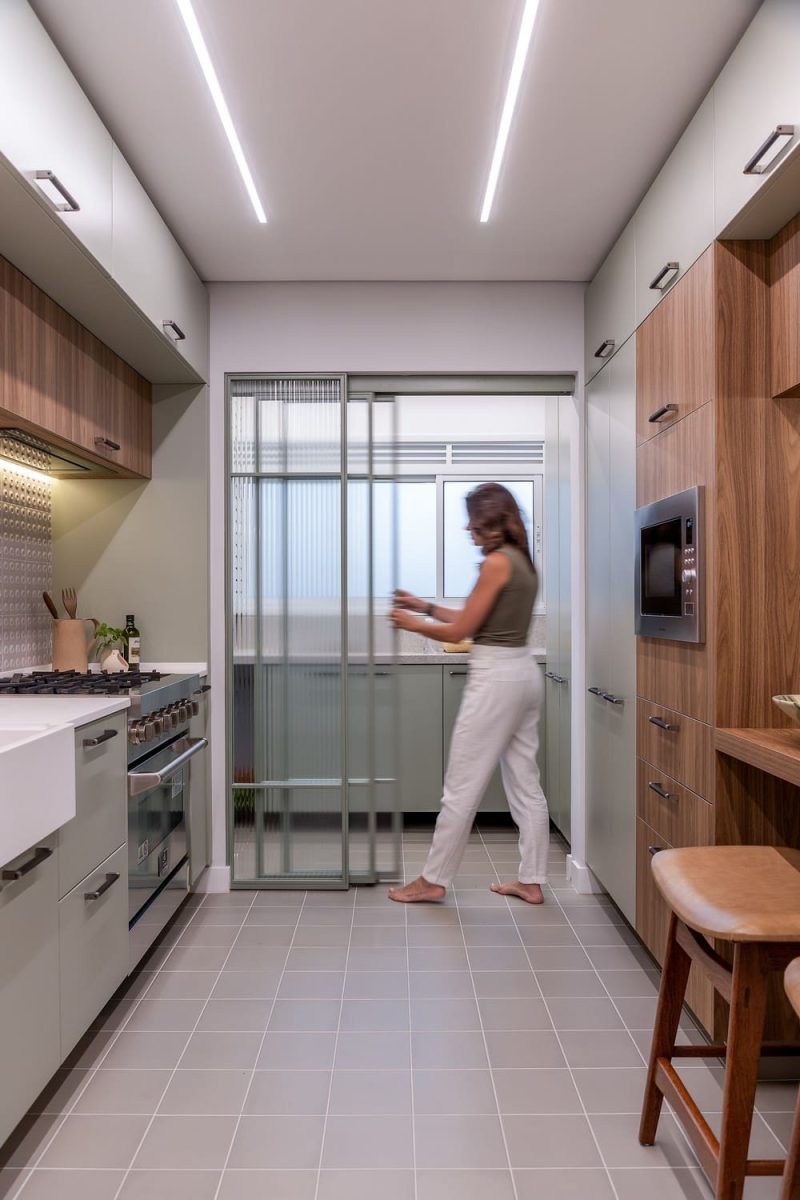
391, 328
445, 418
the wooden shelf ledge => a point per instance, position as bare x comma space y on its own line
775, 751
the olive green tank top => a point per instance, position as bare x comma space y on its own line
508, 622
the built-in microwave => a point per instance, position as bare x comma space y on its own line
670, 601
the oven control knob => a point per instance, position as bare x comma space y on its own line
195, 708
132, 734
149, 730
158, 723
689, 575
184, 712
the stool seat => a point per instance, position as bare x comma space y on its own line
735, 893
791, 981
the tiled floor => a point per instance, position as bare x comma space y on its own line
339, 1047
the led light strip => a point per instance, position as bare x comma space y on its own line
512, 91
8, 464
204, 58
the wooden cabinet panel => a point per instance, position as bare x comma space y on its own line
684, 751
682, 818
675, 351
784, 281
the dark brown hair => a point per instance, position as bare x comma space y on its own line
494, 515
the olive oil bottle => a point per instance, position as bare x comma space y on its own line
133, 643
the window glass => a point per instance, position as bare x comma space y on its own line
405, 514
461, 557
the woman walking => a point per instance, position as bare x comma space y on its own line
499, 715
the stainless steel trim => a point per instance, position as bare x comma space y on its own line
173, 330
687, 627
656, 416
459, 672
660, 283
109, 881
651, 850
662, 724
612, 699
606, 348
143, 781
751, 167
595, 691
40, 854
660, 791
105, 736
71, 204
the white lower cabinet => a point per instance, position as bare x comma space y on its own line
100, 823
557, 736
30, 1049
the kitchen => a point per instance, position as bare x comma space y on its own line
268, 1012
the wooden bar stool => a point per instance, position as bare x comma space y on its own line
749, 896
791, 1176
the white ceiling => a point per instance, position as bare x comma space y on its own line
369, 126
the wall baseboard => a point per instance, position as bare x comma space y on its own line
214, 879
582, 878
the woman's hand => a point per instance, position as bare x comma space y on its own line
401, 619
410, 601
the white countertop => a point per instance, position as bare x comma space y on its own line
59, 710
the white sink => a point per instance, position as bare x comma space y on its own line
37, 784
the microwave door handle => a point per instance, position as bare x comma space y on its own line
143, 781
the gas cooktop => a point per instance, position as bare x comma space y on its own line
77, 683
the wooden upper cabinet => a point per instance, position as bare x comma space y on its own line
675, 352
784, 279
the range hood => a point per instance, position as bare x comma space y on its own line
26, 450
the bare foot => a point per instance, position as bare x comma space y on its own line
420, 891
530, 892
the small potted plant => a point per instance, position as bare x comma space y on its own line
109, 654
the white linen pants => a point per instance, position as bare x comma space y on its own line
498, 721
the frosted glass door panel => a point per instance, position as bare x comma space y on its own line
462, 558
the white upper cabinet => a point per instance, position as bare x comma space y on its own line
48, 125
757, 91
149, 265
675, 221
610, 305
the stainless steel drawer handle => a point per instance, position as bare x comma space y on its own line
70, 203
550, 675
660, 791
174, 331
661, 282
458, 672
560, 679
381, 674
660, 413
595, 691
40, 854
107, 442
612, 699
105, 736
754, 165
143, 781
660, 723
605, 349
204, 687
109, 881
651, 850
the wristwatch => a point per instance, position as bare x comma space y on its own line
429, 610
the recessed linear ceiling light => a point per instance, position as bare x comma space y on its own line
514, 80
204, 58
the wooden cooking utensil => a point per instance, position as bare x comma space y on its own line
48, 599
70, 601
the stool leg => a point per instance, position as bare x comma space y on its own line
745, 1033
674, 978
791, 1172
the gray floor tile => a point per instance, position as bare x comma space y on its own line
120, 1092
677, 1184
497, 914
209, 935
95, 1142
606, 935
434, 938
276, 1185
548, 935
233, 1016
376, 1093
213, 1051
570, 983
558, 958
595, 916
445, 958
705, 1083
376, 985
303, 958
182, 985
296, 1015
616, 1048
205, 1093
197, 958
577, 1013
61, 1092
371, 1015
297, 1051
29, 1139
763, 1142
365, 1185
620, 984
257, 958
311, 985
277, 1142
454, 1093
292, 1093
441, 985
524, 1048
371, 1141
620, 958
116, 1013
493, 937
325, 899
165, 1016
618, 1139
73, 1185
341, 918
443, 1051
456, 1014
777, 1096
282, 914
528, 915
294, 898
561, 1184
506, 1015
393, 958
373, 1051
459, 1142
170, 1185
550, 1141
273, 937
505, 985
146, 1051
538, 1091
498, 958
186, 1143
247, 985
609, 1090
378, 937
465, 1185
368, 916
322, 936
781, 1125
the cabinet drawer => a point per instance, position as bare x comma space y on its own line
683, 750
93, 939
100, 823
681, 817
29, 1039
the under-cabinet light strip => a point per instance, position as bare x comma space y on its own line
8, 464
204, 58
512, 91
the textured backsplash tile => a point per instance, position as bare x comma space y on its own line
26, 566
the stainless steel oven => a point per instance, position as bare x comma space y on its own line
670, 600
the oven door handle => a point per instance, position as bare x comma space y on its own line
143, 781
